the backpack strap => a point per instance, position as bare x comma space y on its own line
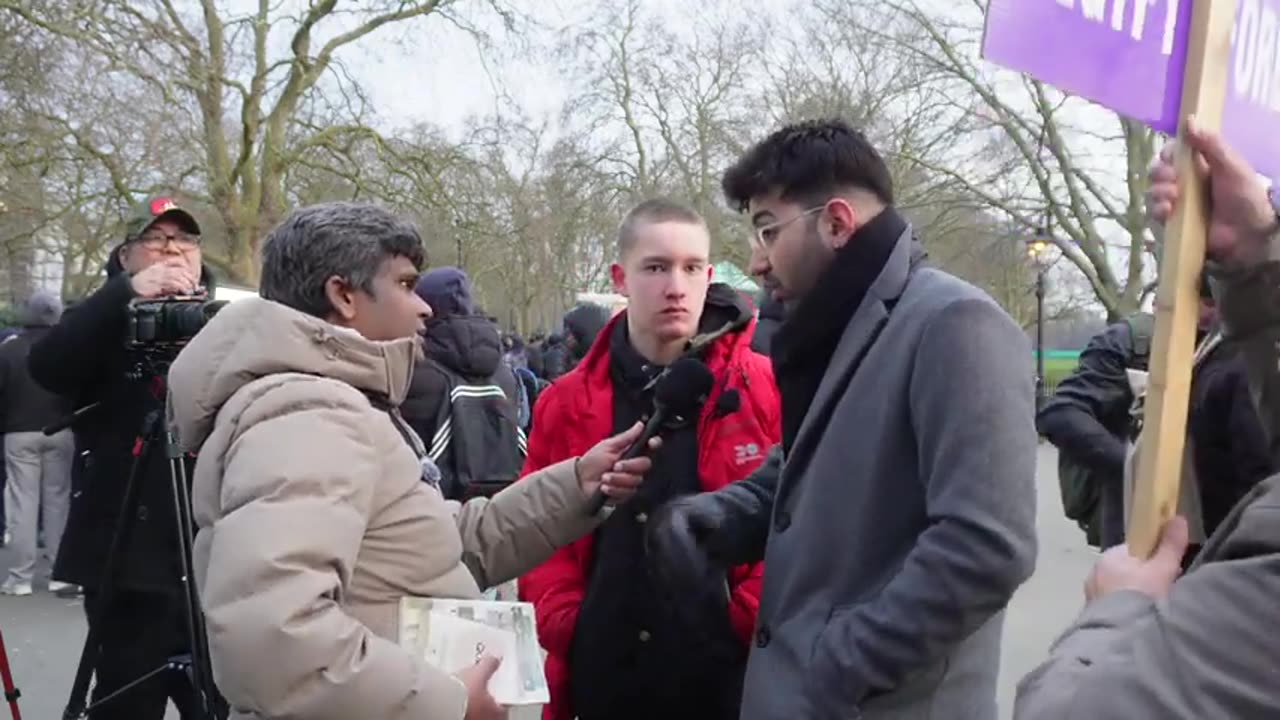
444, 415
430, 473
444, 418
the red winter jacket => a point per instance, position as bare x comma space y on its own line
576, 412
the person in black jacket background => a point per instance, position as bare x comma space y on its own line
1088, 419
457, 340
772, 313
39, 465
6, 333
1230, 450
84, 358
581, 326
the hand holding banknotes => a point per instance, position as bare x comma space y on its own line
602, 468
480, 704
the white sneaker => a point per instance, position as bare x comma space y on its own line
17, 589
58, 585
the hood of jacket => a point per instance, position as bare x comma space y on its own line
584, 323
447, 290
726, 310
469, 345
253, 338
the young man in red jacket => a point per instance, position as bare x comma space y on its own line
618, 646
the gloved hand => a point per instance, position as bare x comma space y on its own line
682, 537
691, 577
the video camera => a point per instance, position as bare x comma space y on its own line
157, 328
168, 322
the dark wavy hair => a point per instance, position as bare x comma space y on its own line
808, 162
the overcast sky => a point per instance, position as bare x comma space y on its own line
437, 73
430, 71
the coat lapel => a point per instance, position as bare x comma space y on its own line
858, 336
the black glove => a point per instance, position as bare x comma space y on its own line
690, 578
679, 542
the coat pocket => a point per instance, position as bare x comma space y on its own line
826, 694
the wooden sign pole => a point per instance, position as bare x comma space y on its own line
1159, 470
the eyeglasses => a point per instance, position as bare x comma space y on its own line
763, 237
155, 240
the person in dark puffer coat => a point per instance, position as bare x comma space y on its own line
582, 325
465, 343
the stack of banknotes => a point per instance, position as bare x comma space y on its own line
454, 634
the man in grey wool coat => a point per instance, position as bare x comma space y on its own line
897, 517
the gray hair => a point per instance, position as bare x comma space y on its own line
315, 243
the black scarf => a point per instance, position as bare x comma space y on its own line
804, 344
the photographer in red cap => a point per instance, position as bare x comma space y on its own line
85, 359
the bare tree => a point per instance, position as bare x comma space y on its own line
667, 107
253, 113
245, 114
1029, 153
541, 222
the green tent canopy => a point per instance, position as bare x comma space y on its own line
729, 274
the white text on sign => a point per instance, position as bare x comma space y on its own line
1256, 70
1136, 17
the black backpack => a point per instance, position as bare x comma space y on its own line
478, 446
1080, 489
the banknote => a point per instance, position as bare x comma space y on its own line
453, 634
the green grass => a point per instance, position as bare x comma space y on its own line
1055, 369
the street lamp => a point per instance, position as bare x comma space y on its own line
1037, 246
458, 225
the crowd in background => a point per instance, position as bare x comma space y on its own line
337, 468
462, 339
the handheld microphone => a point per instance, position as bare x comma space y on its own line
681, 390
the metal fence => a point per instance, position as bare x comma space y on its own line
1057, 365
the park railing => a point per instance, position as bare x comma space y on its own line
1057, 365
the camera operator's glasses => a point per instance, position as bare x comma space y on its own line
158, 241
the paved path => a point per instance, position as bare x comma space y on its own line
1050, 600
44, 633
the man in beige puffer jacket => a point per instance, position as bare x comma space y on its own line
314, 516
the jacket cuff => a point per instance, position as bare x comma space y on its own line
110, 301
1086, 635
1116, 609
120, 288
570, 513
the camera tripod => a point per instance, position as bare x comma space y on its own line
11, 692
195, 665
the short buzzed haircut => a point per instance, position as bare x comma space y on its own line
349, 240
652, 211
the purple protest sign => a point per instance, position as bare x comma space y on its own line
1251, 121
1129, 56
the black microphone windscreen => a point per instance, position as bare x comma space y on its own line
728, 402
684, 386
